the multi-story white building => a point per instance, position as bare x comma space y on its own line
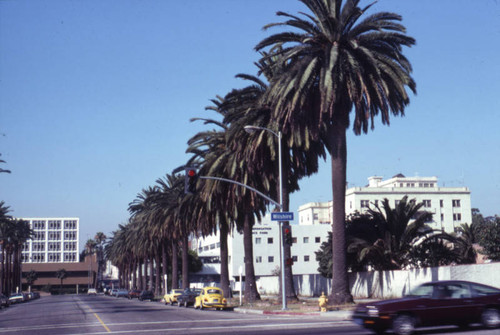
307, 240
450, 206
55, 240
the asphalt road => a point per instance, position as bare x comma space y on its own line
81, 314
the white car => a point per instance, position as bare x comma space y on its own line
92, 291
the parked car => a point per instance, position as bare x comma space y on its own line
4, 301
134, 294
92, 291
121, 292
210, 297
146, 295
432, 304
112, 292
17, 298
171, 298
35, 295
188, 297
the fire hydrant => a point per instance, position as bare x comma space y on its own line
322, 301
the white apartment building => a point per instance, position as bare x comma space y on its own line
450, 206
307, 240
55, 240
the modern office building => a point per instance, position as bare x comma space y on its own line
55, 240
450, 206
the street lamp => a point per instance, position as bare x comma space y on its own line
250, 130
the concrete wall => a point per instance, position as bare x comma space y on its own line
387, 284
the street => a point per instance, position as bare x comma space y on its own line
81, 314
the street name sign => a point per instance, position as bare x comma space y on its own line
282, 216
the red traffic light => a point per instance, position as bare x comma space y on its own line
287, 231
191, 173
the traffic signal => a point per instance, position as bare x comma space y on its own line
287, 235
190, 179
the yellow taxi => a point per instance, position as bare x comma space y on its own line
171, 298
211, 297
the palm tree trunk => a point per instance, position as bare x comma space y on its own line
185, 262
340, 283
134, 274
175, 266
151, 272
164, 255
251, 293
158, 272
139, 274
224, 267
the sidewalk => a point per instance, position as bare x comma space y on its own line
307, 306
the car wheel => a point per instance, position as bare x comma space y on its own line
403, 325
490, 318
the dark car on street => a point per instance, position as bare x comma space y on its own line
433, 304
134, 294
146, 295
4, 301
188, 297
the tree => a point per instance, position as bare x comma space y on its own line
31, 277
490, 238
61, 274
335, 64
100, 239
3, 170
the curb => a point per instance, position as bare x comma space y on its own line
335, 315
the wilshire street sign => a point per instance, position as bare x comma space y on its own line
282, 216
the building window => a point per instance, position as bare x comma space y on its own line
294, 258
69, 224
294, 240
455, 203
457, 217
431, 185
427, 203
315, 215
54, 224
212, 246
305, 239
205, 248
270, 259
257, 240
365, 203
306, 258
317, 239
258, 259
269, 240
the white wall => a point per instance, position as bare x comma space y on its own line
387, 284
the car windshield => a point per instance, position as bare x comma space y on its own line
482, 290
421, 291
213, 291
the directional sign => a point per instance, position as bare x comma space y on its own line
282, 216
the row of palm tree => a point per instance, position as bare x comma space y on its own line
13, 234
386, 238
335, 60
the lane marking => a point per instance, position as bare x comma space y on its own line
98, 318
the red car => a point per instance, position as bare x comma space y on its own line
433, 304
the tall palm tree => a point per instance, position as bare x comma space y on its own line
335, 64
100, 239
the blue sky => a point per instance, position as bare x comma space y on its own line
96, 97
